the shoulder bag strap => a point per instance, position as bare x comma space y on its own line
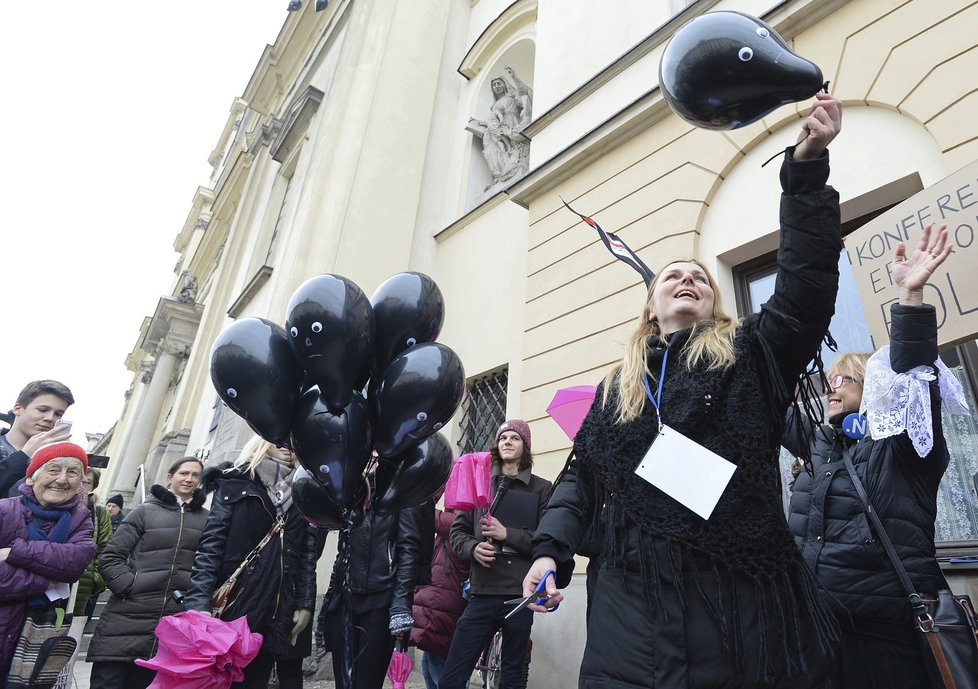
924, 620
276, 527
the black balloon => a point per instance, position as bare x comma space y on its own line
331, 325
335, 448
417, 394
256, 375
408, 310
414, 476
724, 70
315, 502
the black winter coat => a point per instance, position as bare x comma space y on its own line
383, 553
149, 557
723, 603
279, 581
827, 517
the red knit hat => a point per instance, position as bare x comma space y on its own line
516, 426
56, 451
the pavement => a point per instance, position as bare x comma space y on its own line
83, 672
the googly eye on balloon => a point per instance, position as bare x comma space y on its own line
746, 53
422, 417
294, 332
438, 426
410, 342
762, 32
324, 468
232, 393
317, 327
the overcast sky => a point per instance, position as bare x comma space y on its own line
109, 112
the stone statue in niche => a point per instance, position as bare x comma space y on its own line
188, 293
505, 148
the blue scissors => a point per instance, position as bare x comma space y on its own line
539, 596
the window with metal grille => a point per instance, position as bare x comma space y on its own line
483, 411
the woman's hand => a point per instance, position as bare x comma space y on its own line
823, 124
911, 271
540, 567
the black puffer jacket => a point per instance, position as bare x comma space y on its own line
149, 557
383, 551
827, 517
279, 581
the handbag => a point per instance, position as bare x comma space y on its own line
221, 598
43, 649
947, 624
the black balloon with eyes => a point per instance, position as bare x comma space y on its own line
334, 448
414, 476
255, 373
330, 324
417, 394
724, 70
315, 502
408, 310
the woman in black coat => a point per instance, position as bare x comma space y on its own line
901, 476
681, 600
277, 590
148, 558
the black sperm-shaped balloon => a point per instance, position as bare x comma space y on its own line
331, 326
408, 310
256, 375
724, 70
413, 476
335, 448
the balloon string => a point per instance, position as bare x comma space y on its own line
348, 603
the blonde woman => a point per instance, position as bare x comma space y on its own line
277, 590
680, 600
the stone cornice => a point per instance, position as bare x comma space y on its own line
199, 210
250, 290
295, 124
174, 323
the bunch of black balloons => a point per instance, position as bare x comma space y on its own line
347, 382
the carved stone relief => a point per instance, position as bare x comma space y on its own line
505, 149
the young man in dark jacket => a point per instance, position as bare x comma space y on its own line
500, 558
37, 411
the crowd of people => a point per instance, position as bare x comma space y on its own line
739, 598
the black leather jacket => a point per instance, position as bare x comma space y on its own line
279, 581
827, 518
383, 555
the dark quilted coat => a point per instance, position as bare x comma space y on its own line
438, 606
150, 555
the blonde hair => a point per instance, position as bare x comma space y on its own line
252, 455
711, 341
851, 364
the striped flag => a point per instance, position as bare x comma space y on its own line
617, 247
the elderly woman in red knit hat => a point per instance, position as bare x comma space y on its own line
499, 549
45, 540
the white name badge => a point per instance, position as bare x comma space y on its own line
686, 471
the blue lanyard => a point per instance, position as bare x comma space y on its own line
657, 400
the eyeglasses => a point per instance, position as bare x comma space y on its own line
840, 380
86, 482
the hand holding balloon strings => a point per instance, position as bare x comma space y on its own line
821, 126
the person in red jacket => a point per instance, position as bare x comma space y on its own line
438, 605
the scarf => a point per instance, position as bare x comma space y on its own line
53, 525
276, 476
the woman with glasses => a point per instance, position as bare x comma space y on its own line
901, 474
148, 558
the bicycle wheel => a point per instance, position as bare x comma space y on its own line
494, 662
